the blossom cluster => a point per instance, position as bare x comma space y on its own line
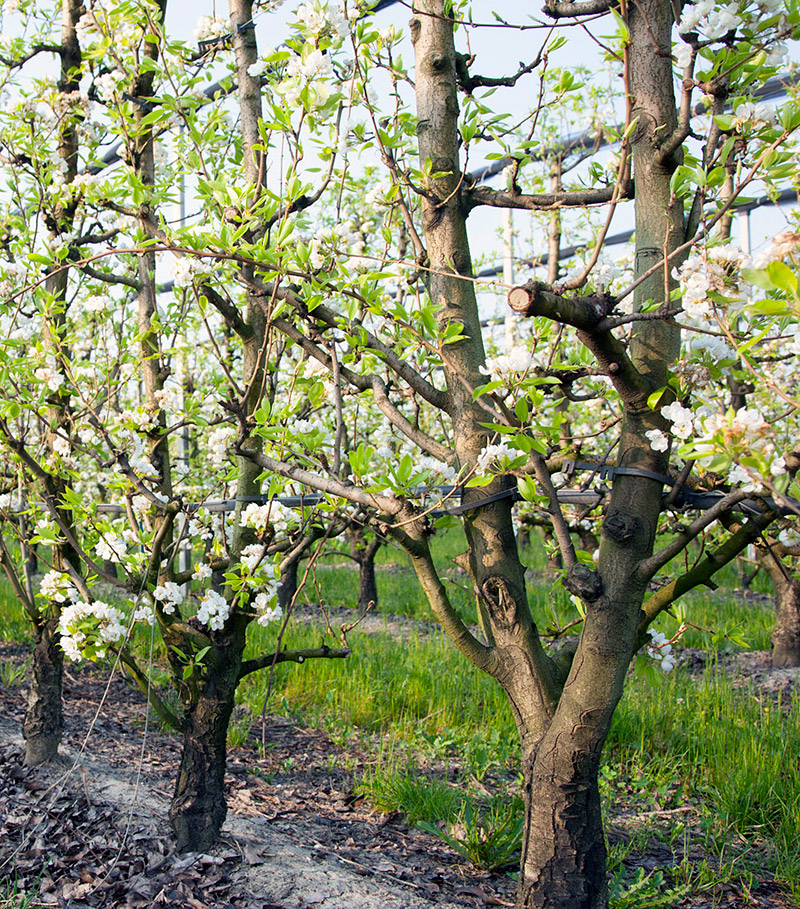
170, 595
214, 610
273, 514
702, 275
57, 586
85, 628
660, 650
218, 443
497, 454
508, 365
186, 268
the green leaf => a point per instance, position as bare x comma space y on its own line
783, 277
656, 398
486, 389
758, 277
527, 489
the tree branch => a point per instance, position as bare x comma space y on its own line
388, 505
567, 10
482, 656
581, 198
586, 314
469, 83
147, 688
295, 656
703, 571
109, 278
658, 560
226, 309
13, 580
402, 368
368, 383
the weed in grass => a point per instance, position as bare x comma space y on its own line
11, 898
488, 836
642, 890
12, 676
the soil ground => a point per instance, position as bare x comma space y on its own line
91, 830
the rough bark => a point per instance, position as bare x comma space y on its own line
516, 658
562, 729
563, 842
363, 551
198, 807
288, 587
786, 632
367, 586
44, 721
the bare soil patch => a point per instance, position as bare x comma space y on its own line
92, 829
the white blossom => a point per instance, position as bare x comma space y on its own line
490, 454
169, 595
693, 14
218, 445
111, 548
251, 556
658, 441
214, 610
681, 419
202, 572
267, 612
56, 585
660, 650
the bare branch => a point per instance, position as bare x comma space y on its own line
658, 560
568, 10
226, 309
149, 690
108, 278
33, 52
559, 524
586, 314
507, 198
468, 83
295, 656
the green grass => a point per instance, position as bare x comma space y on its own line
412, 688
14, 624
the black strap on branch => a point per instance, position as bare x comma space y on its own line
584, 497
609, 471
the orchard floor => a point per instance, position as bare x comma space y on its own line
91, 830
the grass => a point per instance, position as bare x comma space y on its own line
702, 766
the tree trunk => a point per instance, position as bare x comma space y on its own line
363, 549
367, 587
563, 850
198, 807
786, 632
288, 587
44, 720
